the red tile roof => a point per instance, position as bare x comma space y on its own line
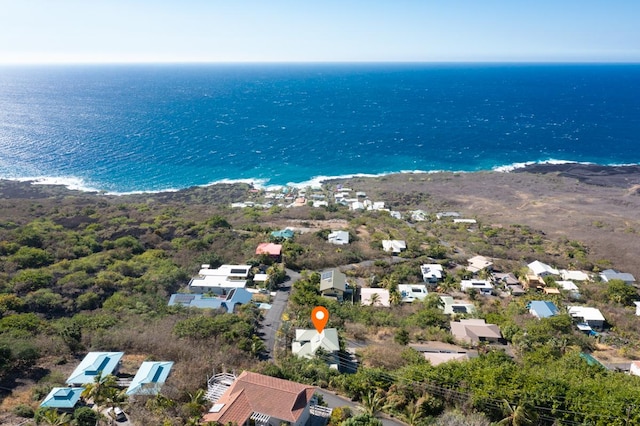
256, 393
269, 248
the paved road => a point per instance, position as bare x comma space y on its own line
273, 317
334, 401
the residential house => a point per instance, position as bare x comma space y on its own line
376, 205
542, 270
394, 246
412, 292
149, 378
95, 363
468, 221
506, 279
542, 309
418, 215
262, 400
483, 287
338, 237
228, 302
574, 275
475, 331
220, 280
510, 281
451, 306
63, 399
333, 284
272, 250
395, 214
592, 317
431, 272
637, 308
308, 342
635, 368
533, 281
610, 274
570, 287
285, 234
374, 297
478, 263
356, 205
443, 215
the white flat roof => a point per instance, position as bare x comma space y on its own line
217, 281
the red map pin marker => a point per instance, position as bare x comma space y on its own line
319, 317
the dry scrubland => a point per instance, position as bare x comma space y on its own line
556, 209
597, 206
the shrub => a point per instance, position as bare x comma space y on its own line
24, 410
30, 257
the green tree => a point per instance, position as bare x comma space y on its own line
31, 257
362, 420
85, 416
620, 292
402, 337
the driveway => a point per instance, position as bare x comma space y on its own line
273, 317
333, 401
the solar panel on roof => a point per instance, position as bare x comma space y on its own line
327, 275
238, 271
184, 298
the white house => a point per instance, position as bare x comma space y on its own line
307, 342
574, 275
637, 308
635, 368
418, 215
220, 280
394, 246
450, 306
338, 237
374, 296
590, 316
442, 215
431, 272
411, 292
482, 286
542, 270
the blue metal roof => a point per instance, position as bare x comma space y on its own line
149, 378
62, 398
92, 364
543, 309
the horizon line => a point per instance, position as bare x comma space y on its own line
323, 62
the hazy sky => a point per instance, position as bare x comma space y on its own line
321, 30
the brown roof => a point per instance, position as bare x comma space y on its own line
473, 330
256, 393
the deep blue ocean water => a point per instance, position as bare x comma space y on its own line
156, 127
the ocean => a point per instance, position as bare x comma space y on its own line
130, 128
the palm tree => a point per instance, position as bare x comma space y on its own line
374, 299
101, 388
517, 415
372, 402
412, 413
52, 417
